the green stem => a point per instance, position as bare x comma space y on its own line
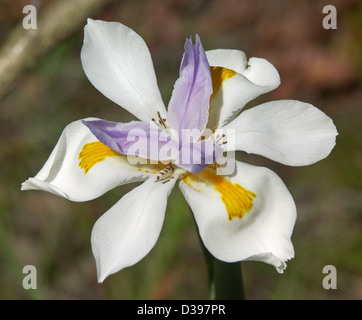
228, 281
225, 279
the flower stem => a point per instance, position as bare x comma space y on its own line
225, 279
228, 281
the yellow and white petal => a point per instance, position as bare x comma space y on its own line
288, 131
118, 63
81, 168
257, 70
247, 216
236, 81
129, 230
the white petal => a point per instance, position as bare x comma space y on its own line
231, 59
257, 70
288, 131
63, 175
262, 234
118, 63
233, 91
129, 230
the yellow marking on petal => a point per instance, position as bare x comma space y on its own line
189, 178
93, 153
218, 76
237, 200
150, 168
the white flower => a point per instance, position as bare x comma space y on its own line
248, 215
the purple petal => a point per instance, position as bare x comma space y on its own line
142, 139
189, 104
195, 157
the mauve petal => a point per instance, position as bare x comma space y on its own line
142, 139
189, 104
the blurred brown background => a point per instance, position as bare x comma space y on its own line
322, 67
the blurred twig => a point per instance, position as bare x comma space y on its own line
23, 47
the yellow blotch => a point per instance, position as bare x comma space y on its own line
218, 76
190, 178
93, 153
237, 200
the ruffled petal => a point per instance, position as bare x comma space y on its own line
288, 131
129, 230
117, 62
236, 81
189, 104
81, 168
247, 216
142, 139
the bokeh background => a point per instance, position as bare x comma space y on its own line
322, 67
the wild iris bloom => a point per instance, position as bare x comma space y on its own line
248, 215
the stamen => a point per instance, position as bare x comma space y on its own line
166, 174
161, 120
218, 138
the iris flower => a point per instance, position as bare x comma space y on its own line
246, 215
